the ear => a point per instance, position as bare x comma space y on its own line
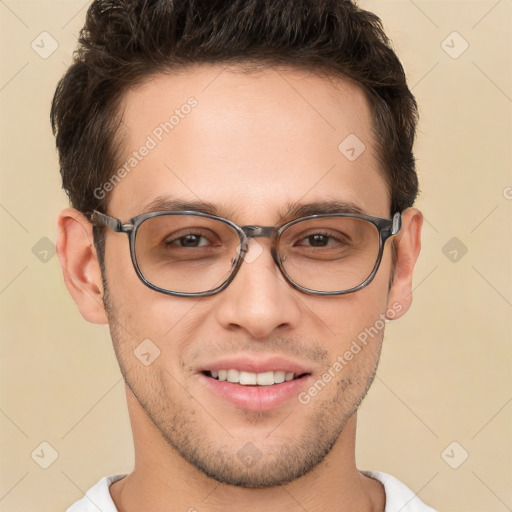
80, 266
408, 245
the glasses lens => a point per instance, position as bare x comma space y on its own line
186, 253
329, 254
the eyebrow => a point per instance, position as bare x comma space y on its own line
291, 210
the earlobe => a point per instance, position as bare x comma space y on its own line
80, 266
408, 245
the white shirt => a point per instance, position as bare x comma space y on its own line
399, 498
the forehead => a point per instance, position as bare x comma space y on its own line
247, 142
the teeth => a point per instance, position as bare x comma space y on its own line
265, 379
233, 376
279, 377
252, 379
248, 378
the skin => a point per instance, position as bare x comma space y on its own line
254, 143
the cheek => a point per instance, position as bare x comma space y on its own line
342, 318
141, 318
119, 270
353, 327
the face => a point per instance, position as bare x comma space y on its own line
251, 145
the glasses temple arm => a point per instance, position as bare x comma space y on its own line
106, 220
397, 223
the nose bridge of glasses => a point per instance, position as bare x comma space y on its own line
253, 231
259, 231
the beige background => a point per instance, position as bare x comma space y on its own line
445, 374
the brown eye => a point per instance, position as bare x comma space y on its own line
190, 240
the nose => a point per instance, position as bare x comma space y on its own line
259, 300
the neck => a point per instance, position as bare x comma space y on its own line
162, 481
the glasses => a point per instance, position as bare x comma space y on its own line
194, 254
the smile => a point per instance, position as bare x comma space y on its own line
257, 392
245, 378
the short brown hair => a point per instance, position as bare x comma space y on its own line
125, 41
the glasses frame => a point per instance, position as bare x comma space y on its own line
385, 227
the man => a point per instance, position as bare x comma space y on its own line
242, 181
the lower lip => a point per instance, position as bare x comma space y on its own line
256, 398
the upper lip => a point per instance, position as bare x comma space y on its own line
256, 365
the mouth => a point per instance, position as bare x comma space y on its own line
245, 378
256, 386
